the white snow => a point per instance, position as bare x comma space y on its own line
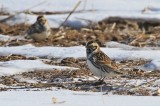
48, 51
113, 44
5, 71
80, 52
151, 66
120, 53
22, 79
4, 37
19, 66
71, 98
105, 8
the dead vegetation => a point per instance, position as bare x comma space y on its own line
135, 32
78, 80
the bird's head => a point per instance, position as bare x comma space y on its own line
41, 19
92, 46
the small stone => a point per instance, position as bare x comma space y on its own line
54, 100
158, 91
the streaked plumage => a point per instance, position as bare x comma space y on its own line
40, 30
99, 63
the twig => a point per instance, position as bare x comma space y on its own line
70, 13
56, 12
113, 27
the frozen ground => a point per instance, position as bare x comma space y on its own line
71, 98
20, 66
101, 10
119, 53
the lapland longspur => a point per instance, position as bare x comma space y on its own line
99, 63
40, 30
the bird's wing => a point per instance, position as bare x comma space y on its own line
105, 62
102, 59
35, 28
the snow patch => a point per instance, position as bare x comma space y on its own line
113, 44
73, 98
104, 9
4, 37
151, 66
79, 52
19, 66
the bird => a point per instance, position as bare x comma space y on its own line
99, 63
40, 30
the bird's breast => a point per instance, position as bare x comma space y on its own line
93, 69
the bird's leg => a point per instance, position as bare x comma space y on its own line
100, 79
103, 78
99, 82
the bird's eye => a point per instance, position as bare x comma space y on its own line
94, 47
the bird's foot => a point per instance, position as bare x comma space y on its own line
99, 82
